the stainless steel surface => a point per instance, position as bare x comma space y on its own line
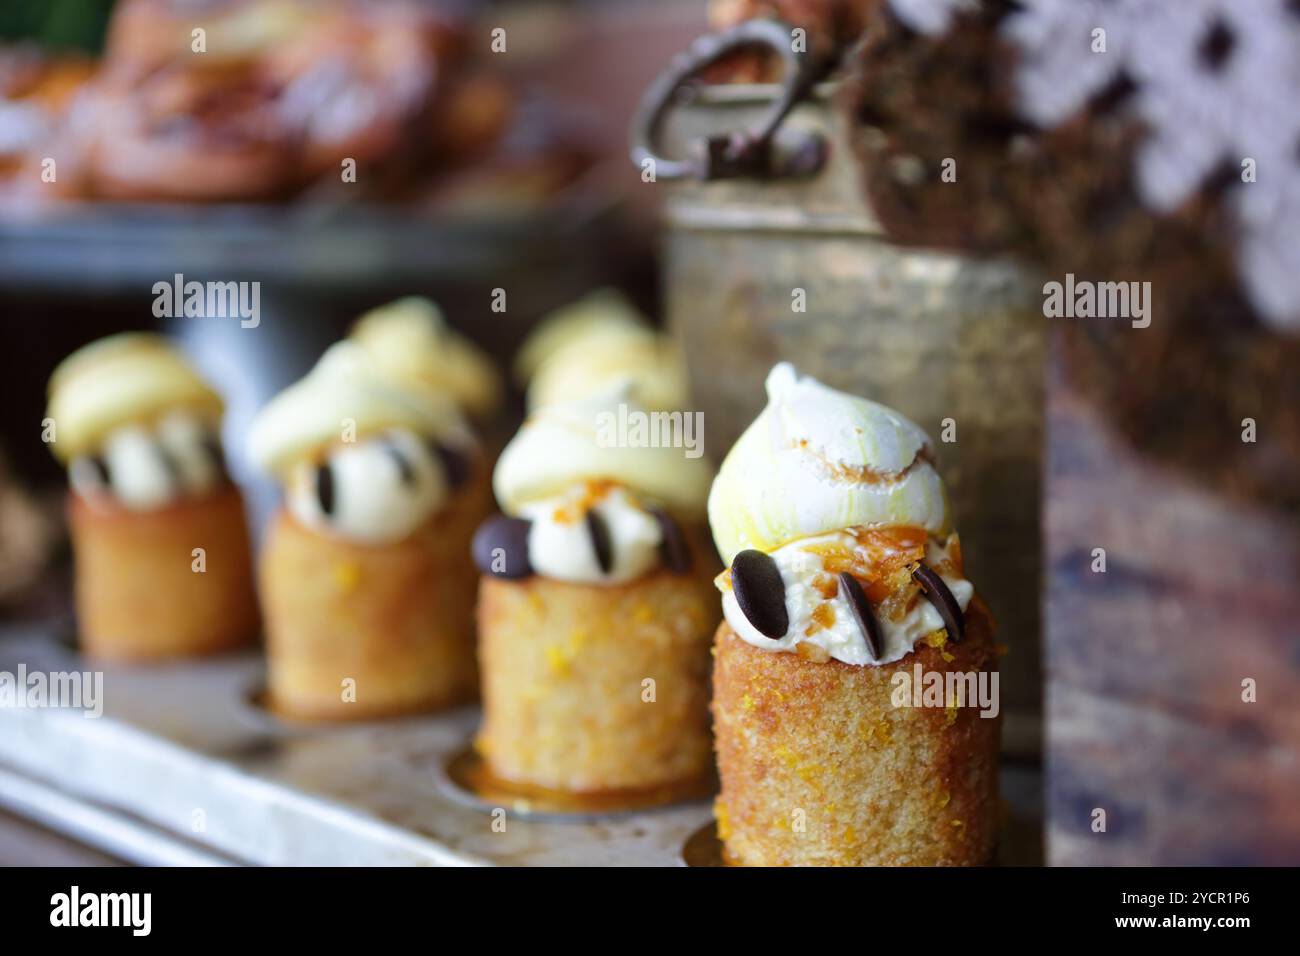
98, 249
112, 831
183, 768
24, 843
180, 748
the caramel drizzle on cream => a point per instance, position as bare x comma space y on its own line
865, 474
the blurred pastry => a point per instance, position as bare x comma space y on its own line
162, 555
843, 574
283, 92
360, 82
365, 578
164, 122
350, 100
145, 35
495, 161
589, 347
412, 342
191, 132
472, 115
36, 92
595, 609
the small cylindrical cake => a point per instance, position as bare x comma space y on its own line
855, 675
366, 581
595, 609
160, 544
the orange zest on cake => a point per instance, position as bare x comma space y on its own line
843, 576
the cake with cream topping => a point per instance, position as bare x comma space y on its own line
843, 574
365, 578
158, 530
595, 609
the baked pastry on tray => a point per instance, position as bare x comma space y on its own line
844, 585
36, 90
595, 609
163, 567
365, 578
283, 92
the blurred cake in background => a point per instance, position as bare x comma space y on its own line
411, 340
595, 609
365, 578
592, 345
262, 100
163, 563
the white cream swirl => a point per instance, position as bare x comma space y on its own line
143, 468
128, 379
560, 545
360, 456
835, 630
375, 491
817, 460
347, 396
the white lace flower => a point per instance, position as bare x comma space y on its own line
1215, 85
930, 17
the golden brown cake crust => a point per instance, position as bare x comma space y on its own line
563, 671
821, 746
139, 596
395, 619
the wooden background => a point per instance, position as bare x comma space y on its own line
1144, 663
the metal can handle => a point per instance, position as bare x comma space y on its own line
744, 153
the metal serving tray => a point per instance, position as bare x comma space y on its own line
98, 248
183, 767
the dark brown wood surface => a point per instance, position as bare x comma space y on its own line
1145, 662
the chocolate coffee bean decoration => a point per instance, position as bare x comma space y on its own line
760, 592
673, 550
500, 547
100, 465
937, 593
863, 614
405, 470
169, 465
325, 488
598, 532
212, 447
455, 463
